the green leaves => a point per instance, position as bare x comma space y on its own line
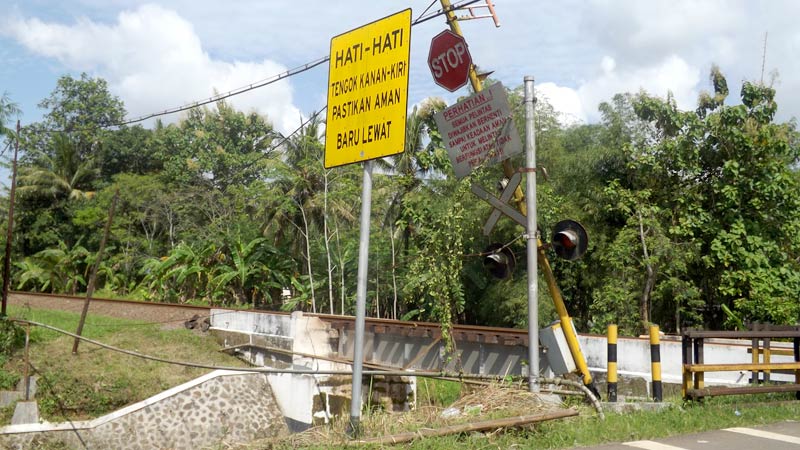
732, 193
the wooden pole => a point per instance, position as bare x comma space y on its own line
93, 276
27, 374
467, 427
11, 195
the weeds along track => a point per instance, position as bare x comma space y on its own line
170, 314
175, 314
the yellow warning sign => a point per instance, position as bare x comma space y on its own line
368, 91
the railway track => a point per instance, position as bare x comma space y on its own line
175, 315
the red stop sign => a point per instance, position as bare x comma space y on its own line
449, 60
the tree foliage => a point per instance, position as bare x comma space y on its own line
693, 215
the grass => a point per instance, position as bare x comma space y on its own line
581, 431
434, 392
97, 381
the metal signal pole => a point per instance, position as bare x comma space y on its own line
533, 239
519, 199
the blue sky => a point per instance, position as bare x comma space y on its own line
161, 54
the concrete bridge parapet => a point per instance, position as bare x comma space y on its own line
302, 341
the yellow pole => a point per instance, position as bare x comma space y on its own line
612, 363
655, 363
477, 86
566, 322
519, 199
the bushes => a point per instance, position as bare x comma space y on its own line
12, 336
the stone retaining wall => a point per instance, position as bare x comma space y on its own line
219, 408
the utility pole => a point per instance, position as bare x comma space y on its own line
477, 86
519, 199
93, 276
11, 195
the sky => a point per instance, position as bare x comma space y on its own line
163, 54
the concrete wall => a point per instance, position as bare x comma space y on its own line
633, 358
216, 409
480, 355
293, 341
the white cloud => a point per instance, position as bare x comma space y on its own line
646, 32
672, 75
154, 60
564, 100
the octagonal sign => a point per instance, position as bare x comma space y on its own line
449, 60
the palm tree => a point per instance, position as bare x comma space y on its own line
61, 174
421, 157
7, 110
308, 201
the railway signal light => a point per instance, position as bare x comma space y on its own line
499, 260
569, 240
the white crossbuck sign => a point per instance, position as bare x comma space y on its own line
501, 205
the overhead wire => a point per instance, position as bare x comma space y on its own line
283, 140
261, 83
433, 2
241, 90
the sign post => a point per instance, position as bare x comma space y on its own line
449, 60
366, 119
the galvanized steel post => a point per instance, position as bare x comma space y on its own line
361, 300
519, 200
533, 241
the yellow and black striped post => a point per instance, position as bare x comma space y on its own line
612, 363
655, 363
796, 351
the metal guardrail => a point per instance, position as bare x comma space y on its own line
694, 366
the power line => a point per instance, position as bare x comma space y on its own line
265, 82
283, 141
287, 74
241, 90
433, 2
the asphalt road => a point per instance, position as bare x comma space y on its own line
779, 436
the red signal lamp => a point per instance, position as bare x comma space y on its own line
569, 240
